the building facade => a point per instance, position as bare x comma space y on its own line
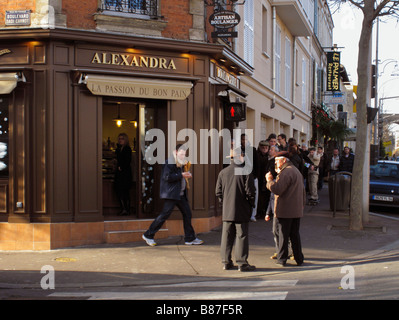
75, 74
285, 42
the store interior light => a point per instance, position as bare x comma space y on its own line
119, 120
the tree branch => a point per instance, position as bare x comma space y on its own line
357, 4
390, 10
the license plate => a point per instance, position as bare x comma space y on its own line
383, 198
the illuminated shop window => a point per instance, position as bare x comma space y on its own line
3, 137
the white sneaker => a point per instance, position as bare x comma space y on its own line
149, 241
196, 241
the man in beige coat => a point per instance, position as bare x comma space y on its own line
313, 175
289, 202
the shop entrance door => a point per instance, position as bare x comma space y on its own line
133, 118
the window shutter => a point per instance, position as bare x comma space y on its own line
249, 32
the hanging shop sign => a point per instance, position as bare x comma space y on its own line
333, 67
223, 21
335, 98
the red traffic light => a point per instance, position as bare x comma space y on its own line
235, 111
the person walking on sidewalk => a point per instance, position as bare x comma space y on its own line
236, 193
123, 173
347, 160
333, 163
313, 176
253, 159
173, 189
290, 200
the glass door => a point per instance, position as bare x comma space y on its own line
152, 115
120, 118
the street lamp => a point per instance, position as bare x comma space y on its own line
386, 62
380, 110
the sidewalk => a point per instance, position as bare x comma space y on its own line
325, 241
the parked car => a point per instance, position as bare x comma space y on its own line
384, 184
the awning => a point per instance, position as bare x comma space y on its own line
9, 80
137, 87
233, 94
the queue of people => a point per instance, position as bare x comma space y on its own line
283, 172
274, 189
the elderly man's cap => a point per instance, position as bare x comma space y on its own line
264, 143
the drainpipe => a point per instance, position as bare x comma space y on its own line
294, 75
274, 49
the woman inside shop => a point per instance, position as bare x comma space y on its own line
123, 175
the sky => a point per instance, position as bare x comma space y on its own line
346, 34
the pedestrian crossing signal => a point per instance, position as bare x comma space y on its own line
236, 111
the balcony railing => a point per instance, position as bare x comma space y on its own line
139, 7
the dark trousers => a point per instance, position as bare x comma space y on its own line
184, 207
288, 229
263, 202
321, 178
234, 233
123, 194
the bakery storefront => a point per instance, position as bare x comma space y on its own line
65, 96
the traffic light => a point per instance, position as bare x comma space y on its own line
235, 111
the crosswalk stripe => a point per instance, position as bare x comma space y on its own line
217, 292
208, 295
229, 283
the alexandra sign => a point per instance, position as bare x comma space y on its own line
131, 60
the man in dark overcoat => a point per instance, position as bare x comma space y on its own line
235, 189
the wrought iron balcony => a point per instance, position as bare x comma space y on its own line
139, 7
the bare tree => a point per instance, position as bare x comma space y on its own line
371, 9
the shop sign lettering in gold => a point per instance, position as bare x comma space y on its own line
138, 87
4, 51
333, 69
227, 77
130, 60
122, 90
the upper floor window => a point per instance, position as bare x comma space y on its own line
140, 7
249, 32
304, 85
288, 72
277, 52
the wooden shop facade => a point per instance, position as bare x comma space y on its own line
65, 95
